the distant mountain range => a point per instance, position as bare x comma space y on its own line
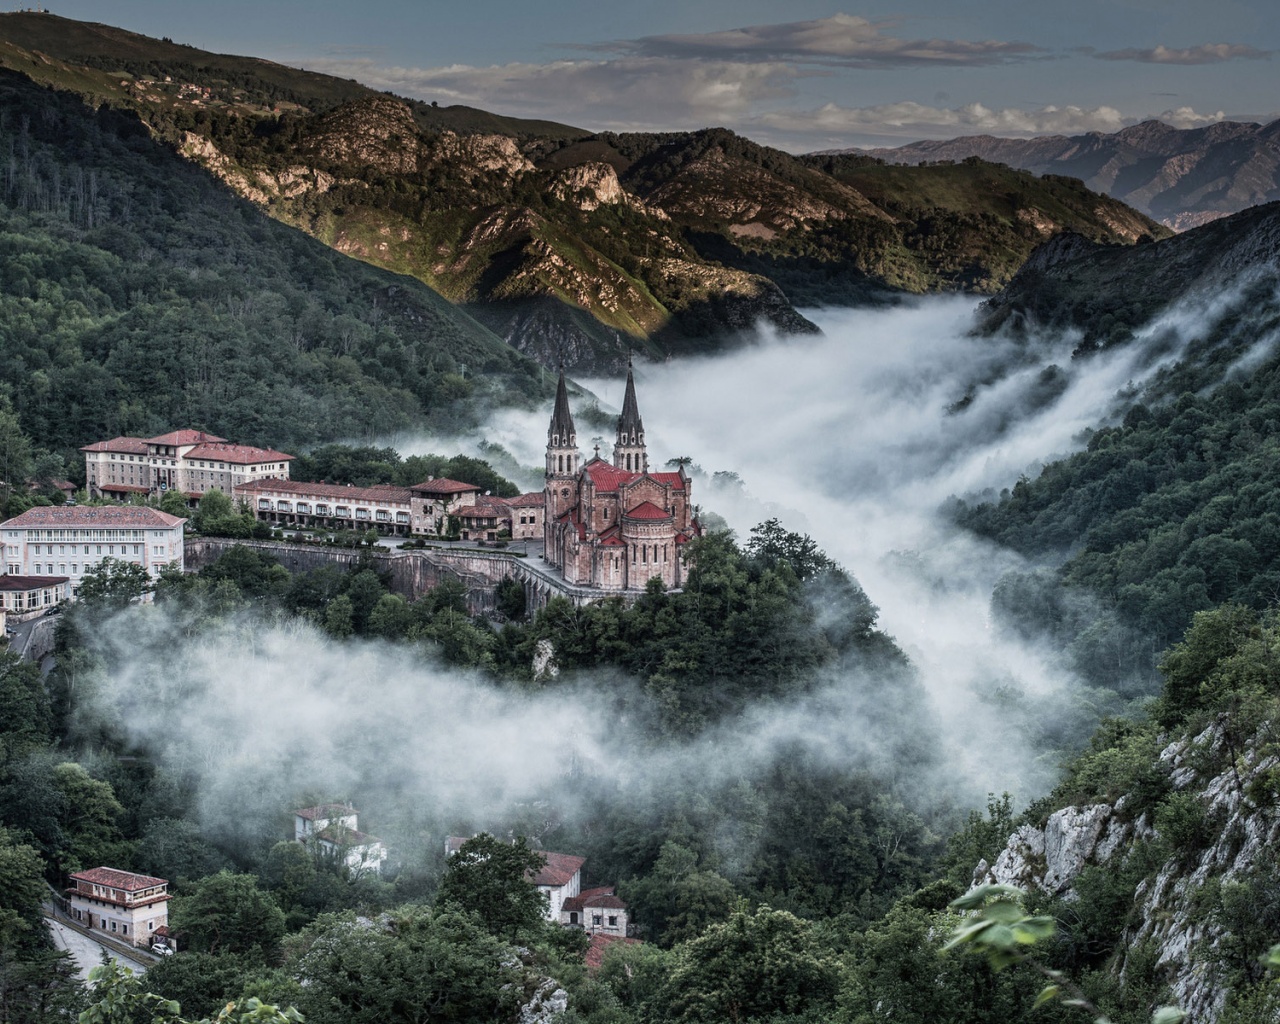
572, 246
1182, 177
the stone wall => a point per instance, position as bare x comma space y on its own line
412, 573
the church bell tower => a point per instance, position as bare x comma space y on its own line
628, 450
562, 457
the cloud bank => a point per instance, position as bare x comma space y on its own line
1204, 53
842, 40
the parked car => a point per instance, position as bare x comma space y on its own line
161, 949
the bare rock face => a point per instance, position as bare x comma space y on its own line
1169, 903
544, 661
1051, 858
378, 132
594, 184
480, 154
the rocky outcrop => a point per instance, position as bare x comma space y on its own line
1169, 901
474, 155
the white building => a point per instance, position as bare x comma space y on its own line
189, 461
70, 540
131, 907
599, 911
334, 829
422, 510
25, 597
561, 879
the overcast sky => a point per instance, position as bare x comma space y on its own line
801, 75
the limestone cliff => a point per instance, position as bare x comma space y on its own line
1227, 831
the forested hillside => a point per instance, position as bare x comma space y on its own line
1175, 509
570, 245
136, 293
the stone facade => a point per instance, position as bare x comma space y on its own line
613, 526
127, 906
190, 461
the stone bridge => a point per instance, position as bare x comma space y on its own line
414, 572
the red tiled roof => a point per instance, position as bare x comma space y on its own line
603, 896
673, 479
646, 510
303, 490
347, 837
600, 942
443, 486
610, 538
325, 811
127, 445
94, 515
240, 454
534, 499
608, 477
116, 879
178, 438
484, 511
125, 488
559, 869
24, 583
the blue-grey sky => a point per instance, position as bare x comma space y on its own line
801, 75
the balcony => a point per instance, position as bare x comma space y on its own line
322, 509
304, 509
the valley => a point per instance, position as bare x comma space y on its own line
970, 478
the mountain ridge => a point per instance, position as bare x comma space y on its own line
1182, 177
569, 243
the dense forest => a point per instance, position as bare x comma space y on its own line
138, 294
790, 887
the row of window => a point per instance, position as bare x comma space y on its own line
111, 549
77, 536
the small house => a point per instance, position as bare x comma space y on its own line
131, 907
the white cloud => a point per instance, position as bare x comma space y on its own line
842, 39
888, 118
1204, 53
908, 119
629, 92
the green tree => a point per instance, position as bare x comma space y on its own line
406, 967
752, 967
339, 617
175, 504
490, 879
25, 713
228, 913
112, 584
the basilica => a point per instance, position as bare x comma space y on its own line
615, 525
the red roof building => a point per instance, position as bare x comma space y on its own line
125, 905
193, 462
67, 541
613, 525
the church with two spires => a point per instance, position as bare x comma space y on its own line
614, 525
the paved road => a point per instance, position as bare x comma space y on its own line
87, 953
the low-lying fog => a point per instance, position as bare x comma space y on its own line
855, 437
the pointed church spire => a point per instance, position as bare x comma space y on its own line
628, 450
562, 438
629, 422
562, 419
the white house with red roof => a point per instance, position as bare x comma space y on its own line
127, 906
599, 911
67, 541
192, 462
334, 830
615, 525
560, 878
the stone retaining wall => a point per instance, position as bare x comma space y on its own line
412, 573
